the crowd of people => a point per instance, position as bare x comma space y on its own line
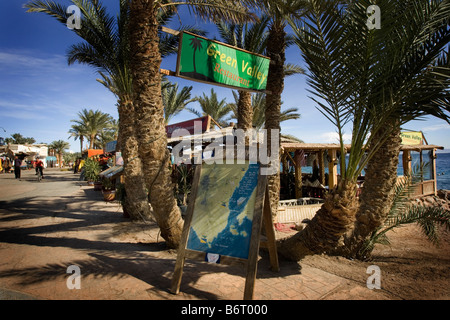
6, 165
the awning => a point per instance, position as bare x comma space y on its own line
93, 152
111, 172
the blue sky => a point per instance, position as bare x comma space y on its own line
40, 93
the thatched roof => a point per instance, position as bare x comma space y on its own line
334, 146
312, 146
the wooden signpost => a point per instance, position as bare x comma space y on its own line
228, 204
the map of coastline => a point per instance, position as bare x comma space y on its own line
223, 214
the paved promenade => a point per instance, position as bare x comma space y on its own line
60, 222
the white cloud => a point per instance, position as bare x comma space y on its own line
436, 127
333, 137
29, 63
8, 105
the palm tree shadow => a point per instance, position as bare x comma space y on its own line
155, 271
149, 262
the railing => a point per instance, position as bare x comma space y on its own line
297, 210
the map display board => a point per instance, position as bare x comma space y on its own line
224, 207
228, 204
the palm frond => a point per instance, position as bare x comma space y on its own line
403, 211
428, 217
289, 114
234, 11
196, 112
211, 105
370, 78
51, 8
291, 69
174, 101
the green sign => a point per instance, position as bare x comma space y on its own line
206, 60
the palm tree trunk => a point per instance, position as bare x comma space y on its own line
324, 233
377, 195
81, 144
275, 84
245, 110
136, 203
91, 143
145, 64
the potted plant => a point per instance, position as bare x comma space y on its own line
108, 189
91, 170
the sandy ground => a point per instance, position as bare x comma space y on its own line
411, 267
46, 227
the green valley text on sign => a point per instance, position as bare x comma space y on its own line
211, 61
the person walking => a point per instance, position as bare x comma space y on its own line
17, 164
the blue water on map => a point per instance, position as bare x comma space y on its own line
226, 243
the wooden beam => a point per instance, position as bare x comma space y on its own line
332, 169
170, 31
215, 122
433, 170
321, 168
181, 257
298, 174
406, 162
168, 72
255, 238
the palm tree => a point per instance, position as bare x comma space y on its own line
78, 131
253, 38
59, 146
106, 48
376, 80
146, 80
174, 101
210, 105
420, 83
93, 123
258, 105
280, 11
107, 134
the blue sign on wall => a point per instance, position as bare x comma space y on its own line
111, 146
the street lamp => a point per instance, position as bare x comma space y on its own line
3, 129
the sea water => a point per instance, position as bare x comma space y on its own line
443, 171
442, 167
